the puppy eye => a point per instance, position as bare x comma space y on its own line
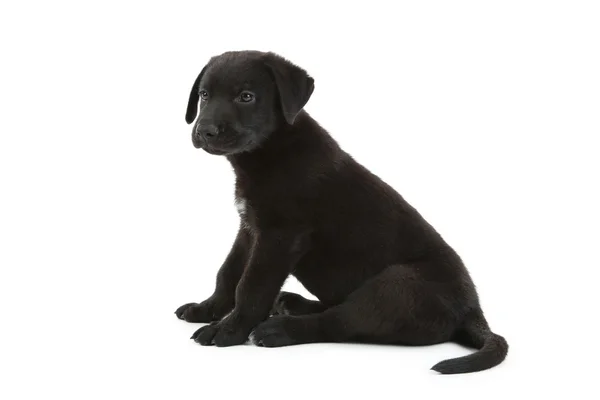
204, 95
246, 97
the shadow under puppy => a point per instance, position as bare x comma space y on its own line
381, 273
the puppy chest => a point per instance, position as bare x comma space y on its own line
241, 205
258, 213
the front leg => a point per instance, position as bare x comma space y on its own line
222, 300
274, 255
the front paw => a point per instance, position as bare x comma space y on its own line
222, 334
207, 311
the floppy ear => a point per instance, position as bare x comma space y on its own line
192, 108
294, 84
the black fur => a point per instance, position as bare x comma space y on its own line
381, 273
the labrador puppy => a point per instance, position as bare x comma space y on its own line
381, 273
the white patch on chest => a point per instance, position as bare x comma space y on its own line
240, 204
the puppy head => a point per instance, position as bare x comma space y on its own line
243, 98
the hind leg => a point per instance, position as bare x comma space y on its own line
293, 304
396, 306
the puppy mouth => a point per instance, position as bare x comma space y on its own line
226, 150
210, 149
214, 152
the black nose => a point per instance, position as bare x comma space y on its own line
209, 131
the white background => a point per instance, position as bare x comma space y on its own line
483, 115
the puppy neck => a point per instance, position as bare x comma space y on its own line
303, 144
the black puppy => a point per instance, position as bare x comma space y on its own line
381, 273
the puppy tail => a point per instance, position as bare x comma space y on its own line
475, 332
